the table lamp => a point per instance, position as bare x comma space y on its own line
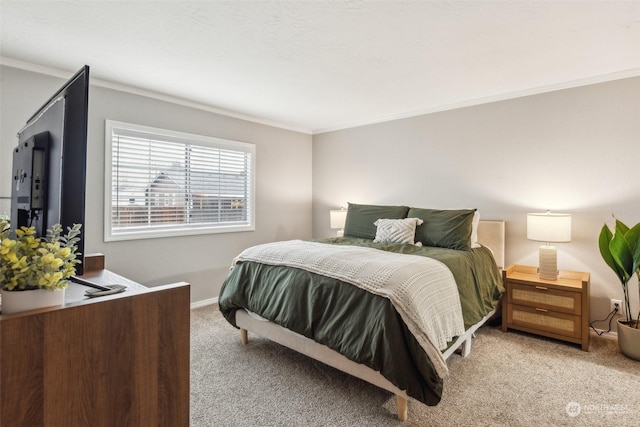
338, 218
548, 227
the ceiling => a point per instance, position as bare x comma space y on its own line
315, 66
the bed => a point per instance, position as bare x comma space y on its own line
317, 297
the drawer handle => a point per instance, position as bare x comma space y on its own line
542, 288
541, 309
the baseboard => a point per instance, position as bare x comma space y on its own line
608, 335
204, 303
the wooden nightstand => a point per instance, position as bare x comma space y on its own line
552, 308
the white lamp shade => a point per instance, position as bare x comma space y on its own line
338, 217
549, 227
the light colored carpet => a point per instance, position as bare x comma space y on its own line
510, 379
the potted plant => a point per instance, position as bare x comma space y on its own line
34, 270
621, 251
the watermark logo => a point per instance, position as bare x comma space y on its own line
573, 409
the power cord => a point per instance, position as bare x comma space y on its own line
609, 318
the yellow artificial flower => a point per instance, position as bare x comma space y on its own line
30, 262
7, 244
48, 258
64, 252
13, 259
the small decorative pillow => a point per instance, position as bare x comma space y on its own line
397, 230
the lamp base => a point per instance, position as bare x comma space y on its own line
548, 263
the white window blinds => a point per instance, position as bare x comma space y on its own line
165, 183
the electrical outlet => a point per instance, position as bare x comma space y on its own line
617, 302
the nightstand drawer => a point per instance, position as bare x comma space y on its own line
539, 296
539, 319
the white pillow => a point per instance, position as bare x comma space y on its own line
474, 230
397, 230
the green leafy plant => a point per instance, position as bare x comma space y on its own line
620, 249
29, 262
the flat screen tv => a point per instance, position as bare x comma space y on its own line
50, 162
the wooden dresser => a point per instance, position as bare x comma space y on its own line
552, 308
117, 360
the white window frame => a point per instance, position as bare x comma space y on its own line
176, 229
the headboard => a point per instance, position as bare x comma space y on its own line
492, 235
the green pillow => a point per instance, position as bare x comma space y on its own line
444, 228
360, 219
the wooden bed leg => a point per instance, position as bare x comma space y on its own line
403, 408
466, 347
244, 338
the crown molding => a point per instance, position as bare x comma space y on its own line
40, 69
634, 72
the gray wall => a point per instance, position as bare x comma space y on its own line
575, 151
283, 181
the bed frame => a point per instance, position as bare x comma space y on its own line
491, 233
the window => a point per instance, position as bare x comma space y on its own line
163, 183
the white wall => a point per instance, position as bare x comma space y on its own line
575, 151
283, 181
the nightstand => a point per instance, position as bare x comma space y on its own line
552, 308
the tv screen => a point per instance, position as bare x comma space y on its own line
49, 163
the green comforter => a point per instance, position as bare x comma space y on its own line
364, 327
